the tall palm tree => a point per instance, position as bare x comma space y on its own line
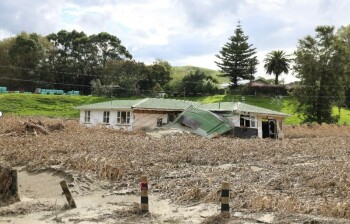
276, 62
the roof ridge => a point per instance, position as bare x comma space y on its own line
179, 100
138, 103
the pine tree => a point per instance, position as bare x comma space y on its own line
236, 57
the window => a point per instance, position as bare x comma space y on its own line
123, 117
87, 116
247, 121
106, 117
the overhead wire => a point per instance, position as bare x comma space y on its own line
106, 76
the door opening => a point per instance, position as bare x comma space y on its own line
269, 129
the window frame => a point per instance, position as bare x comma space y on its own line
120, 118
87, 116
248, 118
106, 117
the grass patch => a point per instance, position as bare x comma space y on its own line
45, 105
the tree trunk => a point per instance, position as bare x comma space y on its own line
276, 79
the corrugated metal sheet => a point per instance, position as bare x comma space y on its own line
164, 104
147, 104
203, 122
114, 104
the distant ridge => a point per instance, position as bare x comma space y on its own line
178, 72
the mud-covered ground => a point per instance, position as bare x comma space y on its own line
301, 179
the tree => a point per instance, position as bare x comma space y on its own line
109, 47
125, 74
159, 74
276, 62
198, 82
238, 60
78, 58
28, 56
253, 62
343, 41
6, 72
319, 67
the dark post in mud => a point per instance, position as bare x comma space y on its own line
67, 193
14, 183
144, 194
225, 199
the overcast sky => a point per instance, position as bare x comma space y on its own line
183, 32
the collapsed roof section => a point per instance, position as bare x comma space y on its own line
201, 122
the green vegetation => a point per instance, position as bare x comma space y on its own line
44, 105
63, 105
179, 72
322, 65
237, 59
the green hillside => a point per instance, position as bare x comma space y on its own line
44, 105
178, 72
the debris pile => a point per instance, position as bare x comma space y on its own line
32, 128
297, 175
6, 181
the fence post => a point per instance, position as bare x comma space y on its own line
67, 193
14, 184
144, 194
225, 199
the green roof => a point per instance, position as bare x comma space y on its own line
179, 105
240, 107
164, 104
258, 110
221, 106
202, 122
148, 104
118, 104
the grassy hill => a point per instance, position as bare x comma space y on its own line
178, 72
44, 105
63, 106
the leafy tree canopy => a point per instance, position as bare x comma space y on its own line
318, 64
276, 62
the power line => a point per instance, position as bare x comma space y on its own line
44, 82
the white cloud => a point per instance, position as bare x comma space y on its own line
5, 34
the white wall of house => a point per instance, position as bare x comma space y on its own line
259, 127
96, 118
235, 121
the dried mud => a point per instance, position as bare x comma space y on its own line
303, 178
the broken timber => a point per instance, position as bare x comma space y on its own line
67, 193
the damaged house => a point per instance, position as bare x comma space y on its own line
208, 120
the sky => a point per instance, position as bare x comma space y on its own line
182, 32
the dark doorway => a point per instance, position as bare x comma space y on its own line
272, 128
269, 129
265, 129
